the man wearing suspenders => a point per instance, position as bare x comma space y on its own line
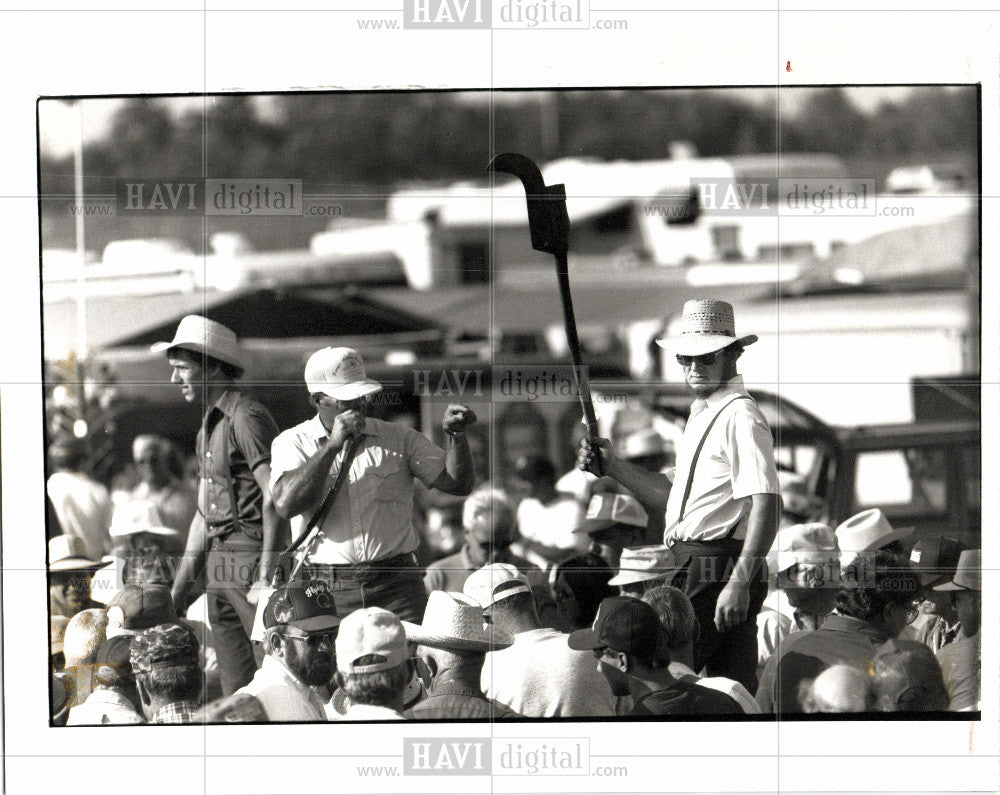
722, 500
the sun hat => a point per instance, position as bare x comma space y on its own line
370, 631
935, 559
136, 608
66, 553
809, 544
163, 645
201, 335
606, 510
303, 604
639, 564
867, 531
339, 373
623, 624
139, 516
493, 582
968, 573
706, 326
454, 621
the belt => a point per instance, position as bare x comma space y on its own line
366, 570
719, 546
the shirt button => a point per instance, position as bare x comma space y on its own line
213, 506
209, 480
208, 455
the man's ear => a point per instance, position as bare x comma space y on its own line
621, 662
338, 678
274, 643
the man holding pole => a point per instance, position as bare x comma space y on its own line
722, 502
364, 544
236, 532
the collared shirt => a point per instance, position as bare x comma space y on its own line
686, 698
736, 462
177, 712
805, 655
227, 462
105, 707
730, 687
370, 519
176, 502
284, 697
449, 699
371, 712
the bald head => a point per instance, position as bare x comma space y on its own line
85, 633
840, 688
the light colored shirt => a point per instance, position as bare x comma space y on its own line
730, 687
552, 525
83, 507
105, 707
736, 462
371, 712
776, 620
540, 676
284, 697
176, 502
370, 519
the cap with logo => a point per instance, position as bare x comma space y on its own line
304, 604
494, 582
339, 373
623, 624
370, 632
935, 559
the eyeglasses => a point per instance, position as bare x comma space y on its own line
312, 638
705, 360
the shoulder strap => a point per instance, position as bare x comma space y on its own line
697, 452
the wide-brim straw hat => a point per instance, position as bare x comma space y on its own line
706, 326
66, 553
864, 532
454, 621
201, 335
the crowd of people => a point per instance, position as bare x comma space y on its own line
291, 582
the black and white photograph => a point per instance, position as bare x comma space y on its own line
502, 432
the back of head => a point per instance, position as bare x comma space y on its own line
908, 678
85, 633
873, 583
676, 614
840, 688
165, 659
587, 577
488, 512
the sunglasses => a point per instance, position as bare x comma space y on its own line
311, 638
705, 360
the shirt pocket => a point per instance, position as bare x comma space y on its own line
390, 481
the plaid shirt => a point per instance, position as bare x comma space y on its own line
177, 712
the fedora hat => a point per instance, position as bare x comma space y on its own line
66, 553
639, 564
454, 621
867, 531
706, 326
138, 516
339, 373
201, 335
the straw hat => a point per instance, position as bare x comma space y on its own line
867, 531
66, 553
706, 326
453, 621
201, 335
639, 564
138, 516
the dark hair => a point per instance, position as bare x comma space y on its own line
873, 583
379, 689
676, 614
170, 683
523, 602
229, 371
587, 576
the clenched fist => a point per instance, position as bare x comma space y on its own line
457, 418
348, 425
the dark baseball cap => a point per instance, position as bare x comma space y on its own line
114, 662
142, 607
935, 559
622, 623
165, 644
303, 604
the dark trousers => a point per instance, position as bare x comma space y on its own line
230, 571
396, 584
705, 570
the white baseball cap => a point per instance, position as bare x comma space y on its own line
339, 373
483, 585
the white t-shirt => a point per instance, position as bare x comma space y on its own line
83, 507
540, 676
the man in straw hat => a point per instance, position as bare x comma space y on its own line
236, 533
722, 502
366, 542
453, 641
70, 573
